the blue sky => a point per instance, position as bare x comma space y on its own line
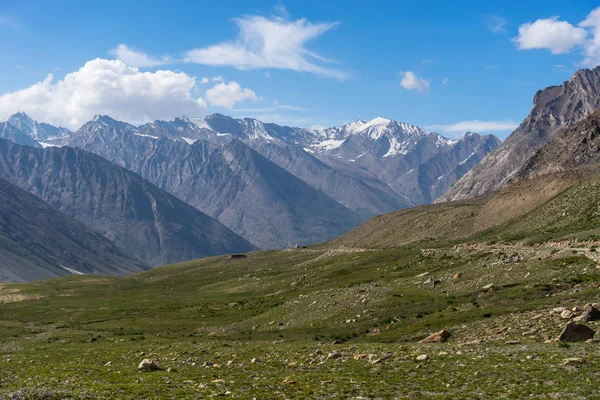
449, 66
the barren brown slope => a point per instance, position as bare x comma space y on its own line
457, 220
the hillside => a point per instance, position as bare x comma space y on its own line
38, 242
145, 221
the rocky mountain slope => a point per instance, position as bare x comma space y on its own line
570, 149
416, 166
245, 191
37, 242
144, 220
14, 134
553, 108
359, 170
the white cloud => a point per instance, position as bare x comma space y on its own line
475, 126
204, 80
592, 46
106, 87
137, 59
445, 81
557, 36
410, 81
496, 24
227, 95
269, 43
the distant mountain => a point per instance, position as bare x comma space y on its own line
245, 191
37, 241
14, 134
366, 167
554, 108
396, 154
37, 131
139, 217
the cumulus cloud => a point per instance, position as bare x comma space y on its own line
592, 46
475, 126
227, 95
410, 81
106, 87
137, 59
551, 34
269, 43
561, 37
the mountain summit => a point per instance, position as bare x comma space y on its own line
554, 108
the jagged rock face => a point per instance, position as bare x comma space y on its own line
139, 217
38, 242
37, 131
245, 191
554, 108
14, 134
569, 149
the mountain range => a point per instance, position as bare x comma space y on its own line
145, 221
278, 186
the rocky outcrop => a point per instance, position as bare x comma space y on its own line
554, 108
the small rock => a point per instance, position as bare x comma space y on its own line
456, 276
148, 365
574, 360
439, 337
575, 332
108, 364
422, 357
488, 287
559, 310
592, 341
334, 354
288, 381
567, 314
255, 361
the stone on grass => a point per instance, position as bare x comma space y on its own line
574, 360
488, 287
590, 314
439, 337
567, 314
422, 357
575, 332
148, 365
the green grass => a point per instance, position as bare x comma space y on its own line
283, 306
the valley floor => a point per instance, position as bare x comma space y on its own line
330, 323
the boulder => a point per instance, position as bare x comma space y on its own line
575, 332
439, 337
590, 314
148, 365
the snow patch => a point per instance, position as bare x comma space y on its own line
328, 144
466, 159
144, 135
73, 271
46, 145
189, 141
